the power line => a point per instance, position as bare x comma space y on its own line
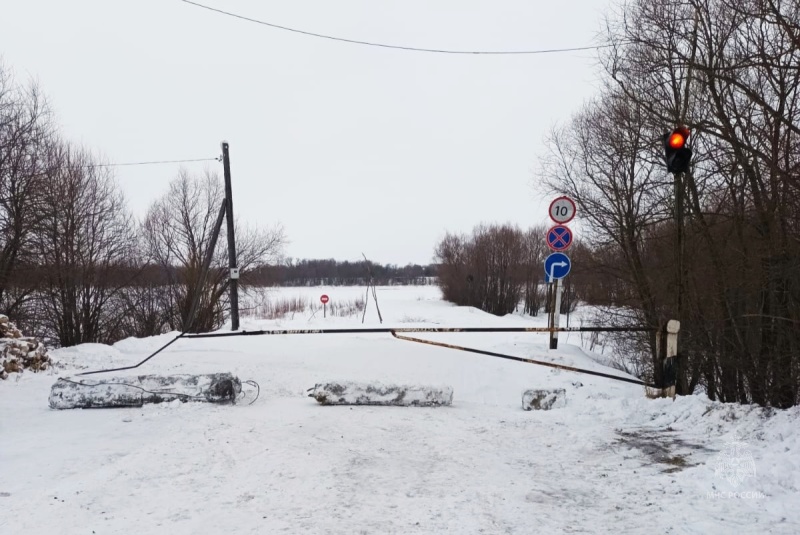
396, 47
92, 166
153, 162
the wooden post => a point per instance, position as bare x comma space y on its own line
206, 266
234, 271
669, 340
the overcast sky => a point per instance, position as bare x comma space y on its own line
352, 149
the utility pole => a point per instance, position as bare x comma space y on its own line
234, 271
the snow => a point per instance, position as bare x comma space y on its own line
610, 460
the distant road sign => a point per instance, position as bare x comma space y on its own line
324, 298
559, 238
562, 210
556, 267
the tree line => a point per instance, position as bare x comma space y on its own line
498, 268
76, 266
330, 272
718, 247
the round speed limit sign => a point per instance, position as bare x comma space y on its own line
562, 210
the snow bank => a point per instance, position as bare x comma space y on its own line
348, 393
135, 391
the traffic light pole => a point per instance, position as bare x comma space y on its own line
679, 240
678, 157
234, 271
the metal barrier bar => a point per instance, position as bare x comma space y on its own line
426, 330
526, 360
394, 332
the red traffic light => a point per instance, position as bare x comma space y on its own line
676, 140
676, 154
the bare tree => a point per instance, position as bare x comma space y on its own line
616, 187
178, 229
727, 266
486, 270
25, 133
535, 253
83, 242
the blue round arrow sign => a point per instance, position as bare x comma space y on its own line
559, 238
556, 267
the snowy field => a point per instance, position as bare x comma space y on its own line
610, 461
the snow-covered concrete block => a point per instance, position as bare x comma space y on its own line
544, 399
348, 393
135, 391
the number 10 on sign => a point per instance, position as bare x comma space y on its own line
562, 210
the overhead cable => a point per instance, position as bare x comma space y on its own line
153, 162
396, 47
51, 170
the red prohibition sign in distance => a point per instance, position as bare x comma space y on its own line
562, 210
323, 298
559, 238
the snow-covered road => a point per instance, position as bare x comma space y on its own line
610, 461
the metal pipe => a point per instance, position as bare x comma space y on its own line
425, 330
522, 359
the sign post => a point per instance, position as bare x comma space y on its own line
556, 314
324, 299
557, 265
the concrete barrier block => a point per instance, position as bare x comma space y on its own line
544, 399
348, 393
135, 391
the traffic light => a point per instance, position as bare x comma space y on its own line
676, 153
